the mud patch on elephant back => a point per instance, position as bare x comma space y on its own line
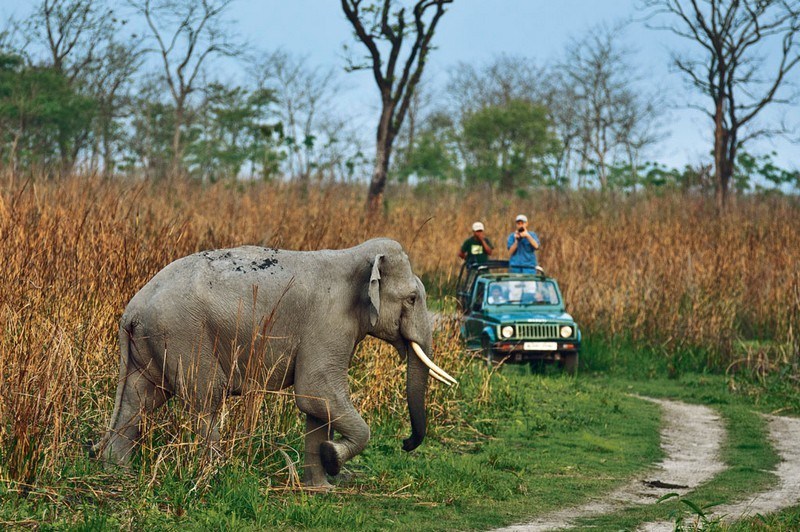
227, 261
215, 255
264, 264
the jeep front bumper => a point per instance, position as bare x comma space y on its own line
518, 350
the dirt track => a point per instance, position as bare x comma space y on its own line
785, 437
691, 437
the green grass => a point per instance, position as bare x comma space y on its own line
538, 442
542, 439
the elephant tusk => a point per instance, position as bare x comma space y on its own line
436, 371
439, 378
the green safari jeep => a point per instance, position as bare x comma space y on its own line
516, 317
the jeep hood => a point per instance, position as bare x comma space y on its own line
533, 317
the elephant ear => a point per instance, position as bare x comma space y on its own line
375, 290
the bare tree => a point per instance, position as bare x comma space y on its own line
611, 114
560, 97
341, 154
381, 24
70, 30
503, 79
303, 96
187, 34
111, 82
731, 68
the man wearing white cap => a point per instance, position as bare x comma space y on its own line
522, 246
476, 248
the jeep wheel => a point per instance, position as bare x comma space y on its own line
569, 363
486, 348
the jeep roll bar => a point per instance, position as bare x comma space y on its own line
469, 273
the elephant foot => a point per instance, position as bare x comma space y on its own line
318, 487
92, 449
314, 479
330, 458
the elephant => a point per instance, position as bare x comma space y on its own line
218, 322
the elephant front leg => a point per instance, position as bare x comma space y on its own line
334, 410
317, 432
355, 435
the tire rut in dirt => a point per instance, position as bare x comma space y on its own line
691, 436
784, 435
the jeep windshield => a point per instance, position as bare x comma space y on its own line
521, 292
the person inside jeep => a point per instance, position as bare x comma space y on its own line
497, 296
533, 292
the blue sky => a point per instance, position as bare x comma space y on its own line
476, 30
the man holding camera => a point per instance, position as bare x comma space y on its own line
477, 247
522, 246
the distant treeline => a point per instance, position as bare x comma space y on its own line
79, 90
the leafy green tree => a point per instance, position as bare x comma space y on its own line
431, 154
761, 173
429, 159
505, 145
152, 128
84, 41
228, 133
40, 114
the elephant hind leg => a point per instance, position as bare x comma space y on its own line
139, 396
138, 391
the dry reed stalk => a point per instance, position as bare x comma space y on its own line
660, 270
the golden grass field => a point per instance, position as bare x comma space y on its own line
667, 272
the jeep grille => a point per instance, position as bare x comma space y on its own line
535, 331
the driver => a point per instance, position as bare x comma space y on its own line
497, 295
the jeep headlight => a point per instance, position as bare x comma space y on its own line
507, 331
566, 331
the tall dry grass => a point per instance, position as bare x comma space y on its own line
664, 271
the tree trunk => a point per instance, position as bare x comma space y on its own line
723, 167
378, 183
383, 153
175, 166
108, 154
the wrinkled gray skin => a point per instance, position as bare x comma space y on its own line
193, 331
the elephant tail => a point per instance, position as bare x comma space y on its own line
125, 339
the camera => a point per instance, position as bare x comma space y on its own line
521, 229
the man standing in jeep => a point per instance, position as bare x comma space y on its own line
476, 248
522, 246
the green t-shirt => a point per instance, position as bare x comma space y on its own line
474, 249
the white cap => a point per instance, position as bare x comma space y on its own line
477, 226
522, 218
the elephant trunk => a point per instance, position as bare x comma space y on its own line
416, 387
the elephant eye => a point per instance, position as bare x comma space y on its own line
412, 298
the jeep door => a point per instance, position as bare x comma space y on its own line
474, 319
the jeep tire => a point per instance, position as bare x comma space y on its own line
486, 348
569, 363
